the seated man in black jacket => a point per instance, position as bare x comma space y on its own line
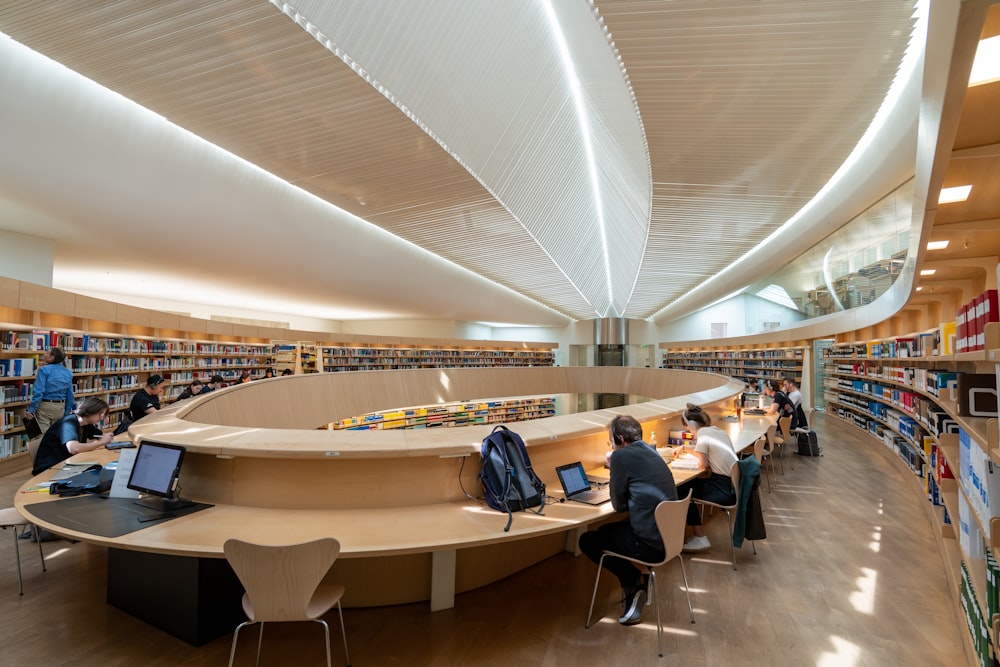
640, 480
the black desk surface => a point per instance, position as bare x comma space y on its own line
107, 517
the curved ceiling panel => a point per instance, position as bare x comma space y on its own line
531, 100
597, 159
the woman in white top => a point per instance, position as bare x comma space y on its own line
714, 451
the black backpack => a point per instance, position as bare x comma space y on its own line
509, 482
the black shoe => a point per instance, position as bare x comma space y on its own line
635, 599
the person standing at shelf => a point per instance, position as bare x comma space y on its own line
640, 480
715, 452
287, 371
268, 373
73, 434
52, 394
147, 400
193, 389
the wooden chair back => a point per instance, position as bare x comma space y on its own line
671, 518
281, 580
785, 426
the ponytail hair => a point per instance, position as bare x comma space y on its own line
696, 417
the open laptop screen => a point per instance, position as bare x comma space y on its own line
573, 478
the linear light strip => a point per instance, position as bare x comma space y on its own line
581, 113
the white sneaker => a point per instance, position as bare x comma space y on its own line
697, 544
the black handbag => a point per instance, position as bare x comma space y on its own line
95, 479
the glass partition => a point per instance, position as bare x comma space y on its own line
852, 267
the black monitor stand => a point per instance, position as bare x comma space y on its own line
160, 504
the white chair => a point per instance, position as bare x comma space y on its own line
734, 476
671, 517
10, 518
284, 583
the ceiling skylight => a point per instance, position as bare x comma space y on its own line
986, 66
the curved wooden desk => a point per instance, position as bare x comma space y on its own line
394, 499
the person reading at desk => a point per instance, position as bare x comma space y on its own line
714, 451
76, 432
781, 405
640, 480
147, 400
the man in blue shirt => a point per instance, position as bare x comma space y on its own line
52, 394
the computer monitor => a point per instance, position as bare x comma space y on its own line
154, 473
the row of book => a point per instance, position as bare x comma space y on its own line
971, 321
776, 353
12, 444
40, 341
979, 479
17, 368
453, 414
974, 394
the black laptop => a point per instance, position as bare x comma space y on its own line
577, 487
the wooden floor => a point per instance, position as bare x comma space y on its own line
850, 575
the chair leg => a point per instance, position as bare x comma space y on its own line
659, 623
326, 635
593, 595
764, 468
687, 589
260, 640
236, 635
40, 554
17, 556
343, 631
781, 457
732, 548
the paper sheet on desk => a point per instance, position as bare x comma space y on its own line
119, 485
685, 462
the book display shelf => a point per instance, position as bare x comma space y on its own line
296, 356
113, 348
113, 367
466, 413
743, 364
936, 411
345, 357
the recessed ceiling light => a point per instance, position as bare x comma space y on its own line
986, 66
928, 272
955, 194
937, 245
919, 289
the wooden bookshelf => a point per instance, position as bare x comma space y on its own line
743, 364
112, 350
899, 391
465, 413
340, 357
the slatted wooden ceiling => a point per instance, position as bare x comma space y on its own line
746, 110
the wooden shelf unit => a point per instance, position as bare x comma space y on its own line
112, 349
744, 364
114, 367
465, 413
882, 388
339, 357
